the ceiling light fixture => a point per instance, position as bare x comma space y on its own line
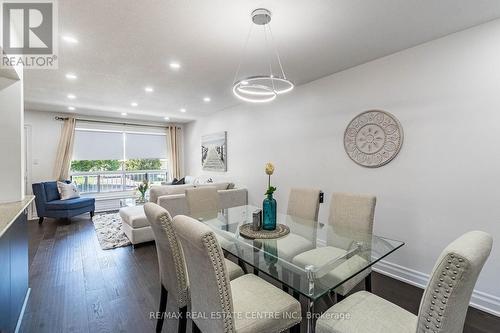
262, 88
124, 113
149, 89
71, 76
134, 104
166, 118
71, 108
206, 99
70, 39
71, 96
182, 110
175, 65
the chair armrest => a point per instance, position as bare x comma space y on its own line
40, 198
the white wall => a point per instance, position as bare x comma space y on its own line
445, 181
11, 140
45, 133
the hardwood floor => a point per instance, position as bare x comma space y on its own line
77, 287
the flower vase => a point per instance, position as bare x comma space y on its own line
269, 213
142, 197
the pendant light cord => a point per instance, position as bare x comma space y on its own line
269, 57
277, 53
243, 53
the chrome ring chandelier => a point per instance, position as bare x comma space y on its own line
262, 88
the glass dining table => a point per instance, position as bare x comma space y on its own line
311, 261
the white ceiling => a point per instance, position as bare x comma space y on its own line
125, 45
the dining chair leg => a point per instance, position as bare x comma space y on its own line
243, 266
368, 283
163, 307
195, 328
182, 320
330, 299
295, 329
311, 322
285, 277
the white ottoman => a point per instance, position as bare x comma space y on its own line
135, 225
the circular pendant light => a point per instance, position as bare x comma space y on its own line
262, 88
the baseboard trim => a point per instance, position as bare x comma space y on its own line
21, 315
479, 300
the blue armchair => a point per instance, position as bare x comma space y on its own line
49, 203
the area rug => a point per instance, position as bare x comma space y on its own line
108, 228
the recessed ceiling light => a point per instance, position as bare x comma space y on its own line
124, 113
70, 39
134, 104
182, 110
175, 65
71, 96
206, 99
149, 89
71, 108
71, 76
166, 118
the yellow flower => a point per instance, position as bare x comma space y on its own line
269, 168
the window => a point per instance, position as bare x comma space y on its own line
110, 158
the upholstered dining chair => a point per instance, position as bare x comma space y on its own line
443, 306
173, 274
304, 203
202, 202
235, 303
303, 207
351, 218
354, 214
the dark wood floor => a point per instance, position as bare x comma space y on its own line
77, 287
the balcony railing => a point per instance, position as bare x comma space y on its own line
115, 181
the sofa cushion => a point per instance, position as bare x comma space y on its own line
134, 216
219, 186
70, 204
158, 191
51, 192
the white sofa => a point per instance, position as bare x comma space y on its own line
172, 197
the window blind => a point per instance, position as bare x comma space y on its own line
97, 145
142, 145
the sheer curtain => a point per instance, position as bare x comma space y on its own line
65, 149
174, 147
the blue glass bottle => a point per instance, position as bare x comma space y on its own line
269, 213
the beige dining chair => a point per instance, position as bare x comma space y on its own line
302, 211
173, 274
242, 305
202, 202
350, 220
443, 306
304, 203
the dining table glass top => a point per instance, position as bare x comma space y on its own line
313, 259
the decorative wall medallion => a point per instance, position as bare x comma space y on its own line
373, 138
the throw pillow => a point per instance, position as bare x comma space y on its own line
178, 182
67, 191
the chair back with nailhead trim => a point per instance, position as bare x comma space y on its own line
209, 286
173, 273
446, 298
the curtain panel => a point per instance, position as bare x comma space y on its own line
174, 147
65, 149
